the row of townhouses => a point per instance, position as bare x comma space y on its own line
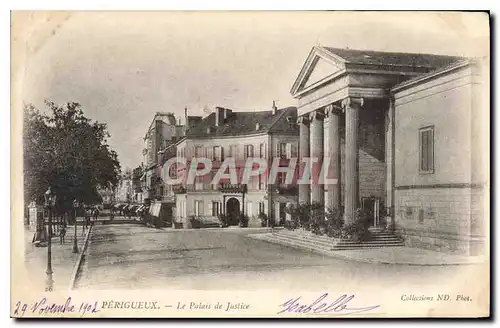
404, 134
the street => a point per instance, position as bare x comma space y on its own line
130, 256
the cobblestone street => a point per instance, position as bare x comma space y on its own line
129, 256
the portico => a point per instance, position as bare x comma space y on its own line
333, 140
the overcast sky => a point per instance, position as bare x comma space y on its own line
124, 67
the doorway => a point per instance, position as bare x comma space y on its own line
370, 206
233, 211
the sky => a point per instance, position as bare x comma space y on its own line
125, 66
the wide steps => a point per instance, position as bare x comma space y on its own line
312, 243
308, 240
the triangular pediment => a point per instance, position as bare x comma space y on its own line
319, 66
319, 71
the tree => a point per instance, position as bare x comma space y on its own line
68, 151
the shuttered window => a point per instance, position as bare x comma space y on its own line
215, 209
198, 151
426, 138
262, 150
217, 153
198, 207
248, 151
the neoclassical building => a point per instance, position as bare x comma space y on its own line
400, 132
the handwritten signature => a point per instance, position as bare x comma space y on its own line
340, 306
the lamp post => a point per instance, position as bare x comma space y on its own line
75, 242
50, 201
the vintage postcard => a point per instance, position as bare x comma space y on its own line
190, 164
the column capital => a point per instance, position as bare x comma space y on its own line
352, 102
316, 115
332, 110
304, 119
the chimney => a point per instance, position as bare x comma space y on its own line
274, 107
186, 117
219, 115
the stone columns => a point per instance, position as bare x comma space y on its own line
304, 143
332, 153
351, 187
317, 149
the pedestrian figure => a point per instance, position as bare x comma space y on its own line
62, 233
96, 215
85, 220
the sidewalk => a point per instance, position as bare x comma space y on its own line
63, 259
402, 255
407, 255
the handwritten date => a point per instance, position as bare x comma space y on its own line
44, 307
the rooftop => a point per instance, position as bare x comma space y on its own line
245, 123
369, 57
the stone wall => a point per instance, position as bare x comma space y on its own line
439, 209
437, 219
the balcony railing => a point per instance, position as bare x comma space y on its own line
286, 189
179, 189
232, 188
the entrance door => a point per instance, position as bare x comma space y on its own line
282, 217
370, 207
233, 211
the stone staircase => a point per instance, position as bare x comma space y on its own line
308, 240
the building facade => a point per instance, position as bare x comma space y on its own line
369, 112
124, 190
238, 135
439, 158
163, 132
108, 197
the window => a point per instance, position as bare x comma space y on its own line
198, 182
198, 207
182, 208
261, 208
281, 178
249, 209
261, 182
262, 150
233, 150
288, 150
420, 216
215, 209
248, 151
426, 141
409, 213
198, 151
172, 171
217, 153
282, 150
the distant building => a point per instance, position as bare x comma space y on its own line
163, 132
137, 184
108, 197
240, 135
124, 191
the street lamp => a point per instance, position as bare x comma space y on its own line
75, 242
50, 202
